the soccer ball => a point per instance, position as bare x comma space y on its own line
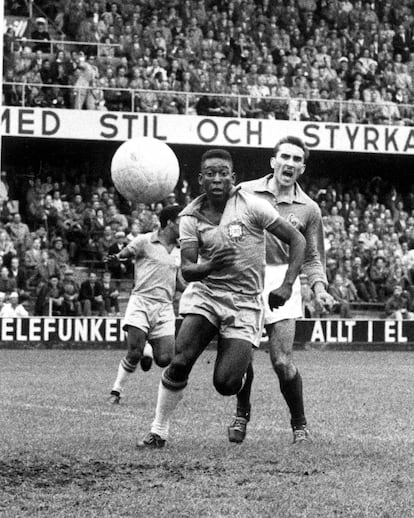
144, 170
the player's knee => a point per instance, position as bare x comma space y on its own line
134, 356
162, 359
227, 386
284, 368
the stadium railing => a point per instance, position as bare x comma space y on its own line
206, 104
96, 48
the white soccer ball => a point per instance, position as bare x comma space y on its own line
144, 170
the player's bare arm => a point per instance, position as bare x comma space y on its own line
284, 231
194, 271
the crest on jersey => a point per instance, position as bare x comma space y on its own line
235, 230
293, 220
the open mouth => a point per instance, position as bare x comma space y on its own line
287, 174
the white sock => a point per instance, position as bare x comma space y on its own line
122, 376
148, 351
166, 404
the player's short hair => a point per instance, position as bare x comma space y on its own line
169, 213
295, 141
217, 153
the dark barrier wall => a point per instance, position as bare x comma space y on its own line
23, 156
97, 332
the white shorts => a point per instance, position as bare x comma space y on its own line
292, 308
156, 319
233, 314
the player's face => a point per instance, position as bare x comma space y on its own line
216, 178
175, 227
288, 164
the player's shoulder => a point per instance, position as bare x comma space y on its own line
304, 198
253, 203
141, 239
192, 209
255, 186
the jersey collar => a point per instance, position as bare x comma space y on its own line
266, 184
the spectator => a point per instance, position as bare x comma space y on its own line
398, 277
91, 296
105, 242
397, 305
379, 274
41, 34
341, 295
361, 280
19, 233
116, 220
49, 299
123, 267
59, 253
7, 284
18, 273
110, 294
15, 308
369, 239
46, 268
7, 250
71, 305
98, 224
135, 231
2, 303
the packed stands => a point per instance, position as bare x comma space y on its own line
327, 60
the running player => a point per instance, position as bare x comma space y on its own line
150, 314
281, 189
222, 237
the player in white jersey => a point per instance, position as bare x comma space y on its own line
150, 315
281, 189
222, 238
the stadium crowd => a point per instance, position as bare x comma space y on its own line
369, 233
292, 59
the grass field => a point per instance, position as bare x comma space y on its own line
66, 453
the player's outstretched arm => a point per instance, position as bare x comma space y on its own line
194, 271
284, 231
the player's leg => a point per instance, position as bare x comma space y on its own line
161, 337
163, 350
233, 374
233, 359
281, 336
194, 335
136, 339
238, 427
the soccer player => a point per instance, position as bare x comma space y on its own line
281, 189
222, 238
150, 315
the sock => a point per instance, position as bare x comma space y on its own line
243, 396
166, 404
292, 392
125, 370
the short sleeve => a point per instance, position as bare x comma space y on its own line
262, 212
188, 230
136, 246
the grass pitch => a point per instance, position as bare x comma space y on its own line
66, 453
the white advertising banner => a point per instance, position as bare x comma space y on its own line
209, 131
